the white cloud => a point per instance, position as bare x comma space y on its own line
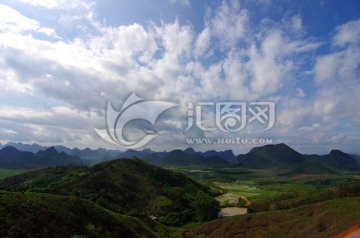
293, 113
230, 59
48, 125
326, 103
8, 132
12, 21
236, 75
229, 23
300, 93
341, 65
325, 67
268, 67
60, 116
336, 74
181, 2
297, 23
312, 127
176, 39
347, 33
202, 42
59, 4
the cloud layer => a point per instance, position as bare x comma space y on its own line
58, 74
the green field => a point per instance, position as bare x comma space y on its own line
302, 206
258, 186
206, 175
11, 171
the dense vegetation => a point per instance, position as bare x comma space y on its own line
295, 199
126, 186
323, 219
310, 167
288, 193
45, 215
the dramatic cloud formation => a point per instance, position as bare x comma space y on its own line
61, 62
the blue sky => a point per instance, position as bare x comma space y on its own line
61, 62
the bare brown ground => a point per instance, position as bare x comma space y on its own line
352, 232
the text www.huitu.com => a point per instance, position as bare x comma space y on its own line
228, 141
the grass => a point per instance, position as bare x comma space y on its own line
222, 174
240, 182
128, 186
280, 204
234, 192
323, 219
7, 172
256, 192
46, 215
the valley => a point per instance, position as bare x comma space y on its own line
191, 200
179, 119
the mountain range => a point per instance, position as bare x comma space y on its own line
265, 157
12, 157
133, 198
283, 156
93, 156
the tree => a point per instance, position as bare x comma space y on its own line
207, 208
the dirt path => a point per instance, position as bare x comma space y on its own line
247, 202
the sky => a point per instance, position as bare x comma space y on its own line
62, 62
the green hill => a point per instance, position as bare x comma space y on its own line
310, 167
46, 215
126, 186
180, 158
323, 219
346, 188
282, 156
271, 156
340, 160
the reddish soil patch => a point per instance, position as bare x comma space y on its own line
247, 202
309, 176
352, 232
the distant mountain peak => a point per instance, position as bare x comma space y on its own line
340, 160
337, 152
10, 156
51, 151
280, 145
87, 149
271, 156
9, 149
189, 151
